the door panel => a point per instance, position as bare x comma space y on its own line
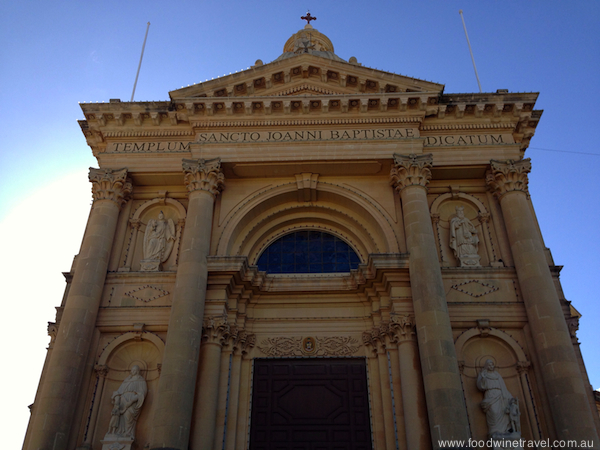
310, 404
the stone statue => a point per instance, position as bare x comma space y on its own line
158, 242
463, 239
127, 403
500, 407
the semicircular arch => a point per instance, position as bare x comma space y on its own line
276, 210
435, 206
126, 337
159, 201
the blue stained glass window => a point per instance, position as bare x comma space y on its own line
308, 252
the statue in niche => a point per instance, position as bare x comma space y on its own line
500, 407
463, 239
158, 242
127, 403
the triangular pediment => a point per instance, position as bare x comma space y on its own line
305, 74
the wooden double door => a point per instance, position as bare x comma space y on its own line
310, 404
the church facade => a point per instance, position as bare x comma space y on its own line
312, 254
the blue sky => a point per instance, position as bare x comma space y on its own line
56, 54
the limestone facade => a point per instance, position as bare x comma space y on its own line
392, 166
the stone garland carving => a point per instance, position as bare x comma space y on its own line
204, 175
127, 403
108, 184
411, 170
158, 243
508, 176
500, 407
318, 346
464, 240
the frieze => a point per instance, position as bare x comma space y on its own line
249, 137
309, 346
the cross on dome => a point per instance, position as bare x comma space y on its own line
308, 17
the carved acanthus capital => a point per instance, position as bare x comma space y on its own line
108, 184
241, 340
101, 370
411, 170
402, 328
135, 223
204, 175
508, 176
215, 330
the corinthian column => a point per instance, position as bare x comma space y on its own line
443, 391
175, 398
54, 408
559, 367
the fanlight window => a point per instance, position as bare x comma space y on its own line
308, 252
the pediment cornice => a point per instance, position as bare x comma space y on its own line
321, 73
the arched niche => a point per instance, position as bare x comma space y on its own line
473, 348
266, 215
172, 210
444, 209
114, 365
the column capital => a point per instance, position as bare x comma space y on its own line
376, 337
411, 170
508, 176
241, 340
204, 175
215, 330
402, 328
109, 184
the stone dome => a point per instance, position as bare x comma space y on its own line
309, 40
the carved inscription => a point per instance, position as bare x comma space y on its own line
468, 140
245, 137
307, 135
148, 147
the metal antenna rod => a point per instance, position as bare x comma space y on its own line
470, 50
140, 64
